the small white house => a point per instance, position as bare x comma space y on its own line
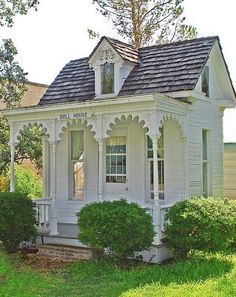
144, 125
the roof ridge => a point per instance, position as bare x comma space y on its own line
117, 40
83, 58
180, 42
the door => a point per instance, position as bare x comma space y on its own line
116, 175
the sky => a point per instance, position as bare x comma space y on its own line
57, 33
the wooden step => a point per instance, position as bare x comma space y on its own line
67, 253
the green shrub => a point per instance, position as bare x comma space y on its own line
27, 182
4, 183
118, 226
17, 220
201, 224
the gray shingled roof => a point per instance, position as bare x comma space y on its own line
162, 68
126, 51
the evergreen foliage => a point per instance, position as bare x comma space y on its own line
17, 220
143, 22
200, 224
121, 227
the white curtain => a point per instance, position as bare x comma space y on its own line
77, 144
118, 140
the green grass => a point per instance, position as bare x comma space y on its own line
200, 276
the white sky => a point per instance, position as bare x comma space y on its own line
47, 39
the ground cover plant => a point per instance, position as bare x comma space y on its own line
201, 275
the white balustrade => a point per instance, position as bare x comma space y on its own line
43, 214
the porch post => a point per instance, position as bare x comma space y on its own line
100, 169
12, 173
53, 213
12, 144
45, 167
156, 206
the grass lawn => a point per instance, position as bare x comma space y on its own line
200, 276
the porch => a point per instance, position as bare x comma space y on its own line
67, 233
138, 153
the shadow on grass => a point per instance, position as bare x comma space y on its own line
104, 279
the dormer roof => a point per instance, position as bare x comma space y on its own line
159, 69
126, 51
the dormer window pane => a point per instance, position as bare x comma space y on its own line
205, 81
107, 78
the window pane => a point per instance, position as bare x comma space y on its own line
150, 154
161, 139
205, 179
115, 179
149, 142
205, 81
116, 159
160, 154
107, 78
77, 145
78, 168
204, 145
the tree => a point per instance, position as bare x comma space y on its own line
12, 87
146, 21
10, 8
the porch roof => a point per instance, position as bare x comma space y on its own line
162, 69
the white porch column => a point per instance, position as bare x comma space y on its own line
12, 167
156, 206
45, 167
12, 144
100, 168
53, 212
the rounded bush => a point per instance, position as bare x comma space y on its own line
201, 224
17, 220
122, 228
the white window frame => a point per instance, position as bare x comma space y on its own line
116, 154
206, 162
114, 82
70, 168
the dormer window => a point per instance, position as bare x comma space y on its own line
112, 62
205, 81
107, 78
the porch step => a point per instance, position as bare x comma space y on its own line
67, 253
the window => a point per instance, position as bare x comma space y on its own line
160, 157
77, 163
205, 81
116, 160
205, 163
107, 78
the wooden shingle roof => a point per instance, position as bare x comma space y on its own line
160, 69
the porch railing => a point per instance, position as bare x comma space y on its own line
43, 214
